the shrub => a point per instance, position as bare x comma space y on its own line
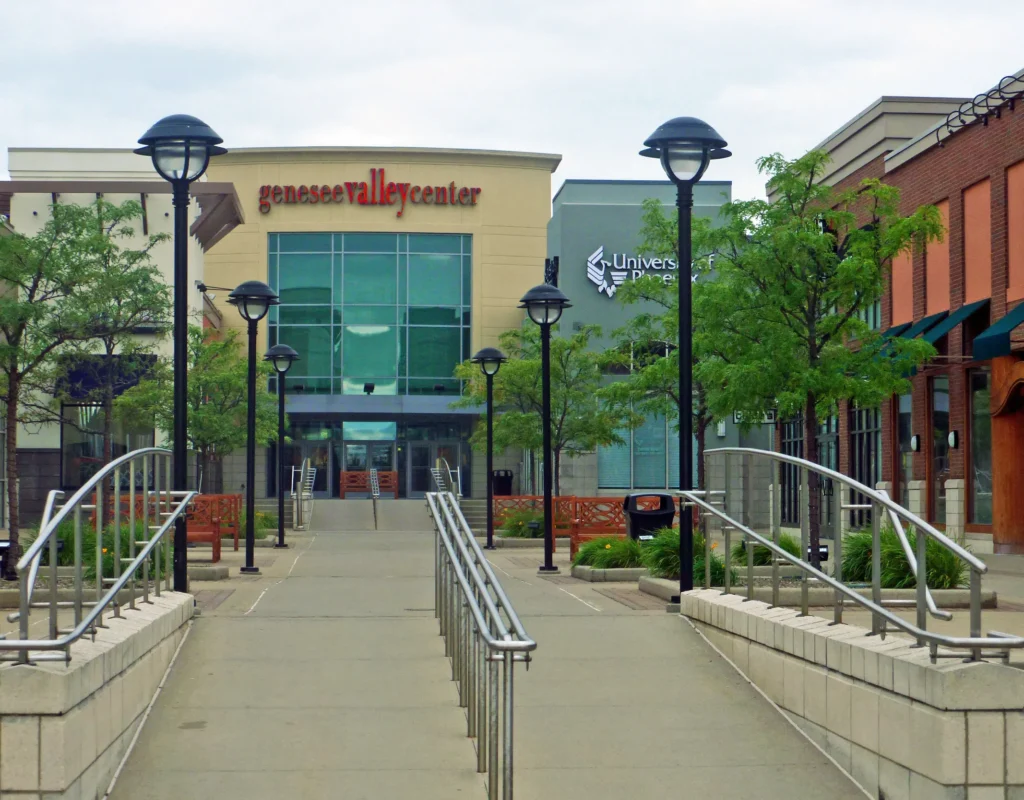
945, 570
516, 524
661, 557
762, 555
66, 555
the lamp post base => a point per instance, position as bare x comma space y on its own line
542, 570
490, 547
249, 570
281, 545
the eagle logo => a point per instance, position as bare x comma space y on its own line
596, 267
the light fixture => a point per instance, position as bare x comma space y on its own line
915, 443
544, 304
685, 146
180, 147
281, 357
369, 387
953, 440
253, 300
489, 360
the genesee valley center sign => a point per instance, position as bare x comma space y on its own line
375, 192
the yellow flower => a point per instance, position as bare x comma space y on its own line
104, 551
607, 547
714, 545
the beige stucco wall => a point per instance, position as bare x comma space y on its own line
508, 223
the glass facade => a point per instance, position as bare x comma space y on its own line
648, 458
980, 482
904, 425
81, 434
865, 458
388, 309
940, 447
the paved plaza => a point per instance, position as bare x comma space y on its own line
325, 677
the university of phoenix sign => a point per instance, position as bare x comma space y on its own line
608, 276
374, 192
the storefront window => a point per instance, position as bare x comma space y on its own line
981, 448
904, 424
940, 447
649, 454
865, 464
613, 464
82, 443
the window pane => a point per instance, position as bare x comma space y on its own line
434, 316
381, 386
370, 350
981, 449
305, 279
439, 386
369, 315
303, 315
370, 243
313, 344
433, 352
305, 242
940, 447
906, 455
370, 279
649, 454
435, 280
370, 431
297, 385
467, 281
434, 243
613, 464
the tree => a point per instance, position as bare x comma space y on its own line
46, 306
579, 421
129, 298
646, 347
218, 380
784, 313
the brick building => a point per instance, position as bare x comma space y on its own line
948, 450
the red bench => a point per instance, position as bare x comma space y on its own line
354, 482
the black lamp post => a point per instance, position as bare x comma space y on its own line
545, 304
685, 146
181, 147
281, 357
490, 360
253, 300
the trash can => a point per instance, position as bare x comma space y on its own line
641, 523
502, 481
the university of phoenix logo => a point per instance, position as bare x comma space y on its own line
596, 266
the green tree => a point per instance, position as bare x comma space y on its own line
646, 347
793, 279
48, 303
579, 421
217, 397
129, 301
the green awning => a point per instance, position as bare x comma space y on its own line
934, 334
995, 341
920, 327
896, 330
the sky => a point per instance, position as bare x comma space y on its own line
587, 79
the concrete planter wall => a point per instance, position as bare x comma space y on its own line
903, 727
65, 729
608, 575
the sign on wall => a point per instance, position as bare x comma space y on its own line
608, 276
374, 192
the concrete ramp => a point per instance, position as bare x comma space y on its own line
356, 515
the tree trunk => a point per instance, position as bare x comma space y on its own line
13, 520
813, 482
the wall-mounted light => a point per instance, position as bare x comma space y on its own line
953, 440
915, 443
368, 388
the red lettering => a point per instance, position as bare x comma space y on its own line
364, 195
278, 194
380, 177
338, 194
373, 187
415, 190
388, 194
289, 194
265, 199
351, 187
474, 192
464, 195
440, 195
403, 192
325, 194
451, 194
428, 192
305, 194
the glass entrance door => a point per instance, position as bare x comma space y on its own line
319, 455
423, 456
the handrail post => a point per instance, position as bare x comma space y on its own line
54, 633
975, 611
748, 519
509, 683
492, 733
145, 517
877, 626
78, 565
117, 534
132, 529
922, 585
837, 548
23, 616
805, 535
99, 550
776, 527
168, 567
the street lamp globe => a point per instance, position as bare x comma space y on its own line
685, 146
281, 357
545, 304
180, 146
490, 360
253, 300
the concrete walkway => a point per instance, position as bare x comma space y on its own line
325, 678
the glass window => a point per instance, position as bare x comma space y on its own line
865, 462
940, 447
649, 454
433, 352
433, 386
82, 441
434, 316
370, 350
906, 455
433, 243
305, 279
370, 242
313, 344
613, 464
467, 280
302, 315
369, 315
435, 280
369, 431
304, 242
981, 448
370, 280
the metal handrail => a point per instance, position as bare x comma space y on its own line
897, 525
374, 494
454, 478
481, 631
167, 506
976, 643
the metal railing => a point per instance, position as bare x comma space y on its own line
454, 478
160, 508
742, 502
482, 633
374, 494
302, 495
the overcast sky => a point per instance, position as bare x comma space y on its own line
589, 79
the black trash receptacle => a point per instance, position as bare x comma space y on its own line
502, 479
641, 523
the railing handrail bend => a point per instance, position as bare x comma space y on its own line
873, 494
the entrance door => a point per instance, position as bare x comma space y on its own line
423, 456
319, 455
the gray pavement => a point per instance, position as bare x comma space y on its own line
325, 678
